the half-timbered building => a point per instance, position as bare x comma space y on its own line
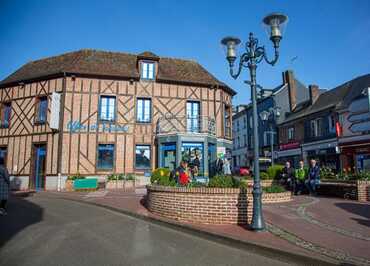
95, 113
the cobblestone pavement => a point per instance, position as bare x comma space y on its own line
328, 226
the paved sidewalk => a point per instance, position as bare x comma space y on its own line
329, 229
334, 227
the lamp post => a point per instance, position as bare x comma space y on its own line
265, 115
253, 55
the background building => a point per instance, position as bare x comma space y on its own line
288, 96
333, 127
95, 113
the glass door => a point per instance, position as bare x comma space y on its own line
39, 167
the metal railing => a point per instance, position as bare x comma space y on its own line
169, 124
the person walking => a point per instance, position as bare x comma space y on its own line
300, 178
226, 167
4, 187
313, 179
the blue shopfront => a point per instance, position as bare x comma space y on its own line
200, 148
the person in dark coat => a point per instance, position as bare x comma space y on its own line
219, 166
288, 177
313, 179
4, 187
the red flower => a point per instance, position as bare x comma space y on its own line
184, 178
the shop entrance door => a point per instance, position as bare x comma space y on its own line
37, 181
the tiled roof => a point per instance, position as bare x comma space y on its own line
339, 97
113, 64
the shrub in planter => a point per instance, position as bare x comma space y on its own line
264, 176
222, 181
130, 177
274, 172
327, 173
161, 176
274, 189
74, 177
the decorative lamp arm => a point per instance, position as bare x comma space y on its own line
243, 59
272, 62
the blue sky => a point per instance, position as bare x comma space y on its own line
331, 39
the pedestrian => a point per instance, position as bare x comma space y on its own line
287, 177
226, 167
196, 166
313, 179
219, 164
4, 187
300, 178
180, 174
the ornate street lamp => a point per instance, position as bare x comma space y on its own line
255, 54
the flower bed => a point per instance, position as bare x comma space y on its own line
206, 205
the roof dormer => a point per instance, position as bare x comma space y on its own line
147, 65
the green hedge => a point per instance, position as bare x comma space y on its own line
274, 189
221, 181
274, 172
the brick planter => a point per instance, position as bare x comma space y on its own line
276, 197
206, 205
363, 190
120, 184
264, 183
114, 184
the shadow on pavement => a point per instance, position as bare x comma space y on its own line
21, 214
358, 209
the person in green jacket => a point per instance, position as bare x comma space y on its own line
300, 177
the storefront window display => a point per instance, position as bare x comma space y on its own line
193, 153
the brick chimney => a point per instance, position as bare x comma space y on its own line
288, 78
314, 93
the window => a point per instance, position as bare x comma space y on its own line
316, 127
41, 110
239, 142
105, 156
291, 133
3, 153
107, 108
5, 114
192, 116
237, 125
331, 119
227, 121
143, 112
245, 141
313, 128
142, 158
244, 122
147, 70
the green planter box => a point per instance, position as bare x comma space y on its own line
88, 183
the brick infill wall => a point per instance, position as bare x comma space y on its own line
363, 190
205, 205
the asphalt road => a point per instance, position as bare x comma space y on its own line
44, 231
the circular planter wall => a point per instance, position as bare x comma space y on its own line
206, 205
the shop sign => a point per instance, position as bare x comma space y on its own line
77, 126
288, 146
221, 151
